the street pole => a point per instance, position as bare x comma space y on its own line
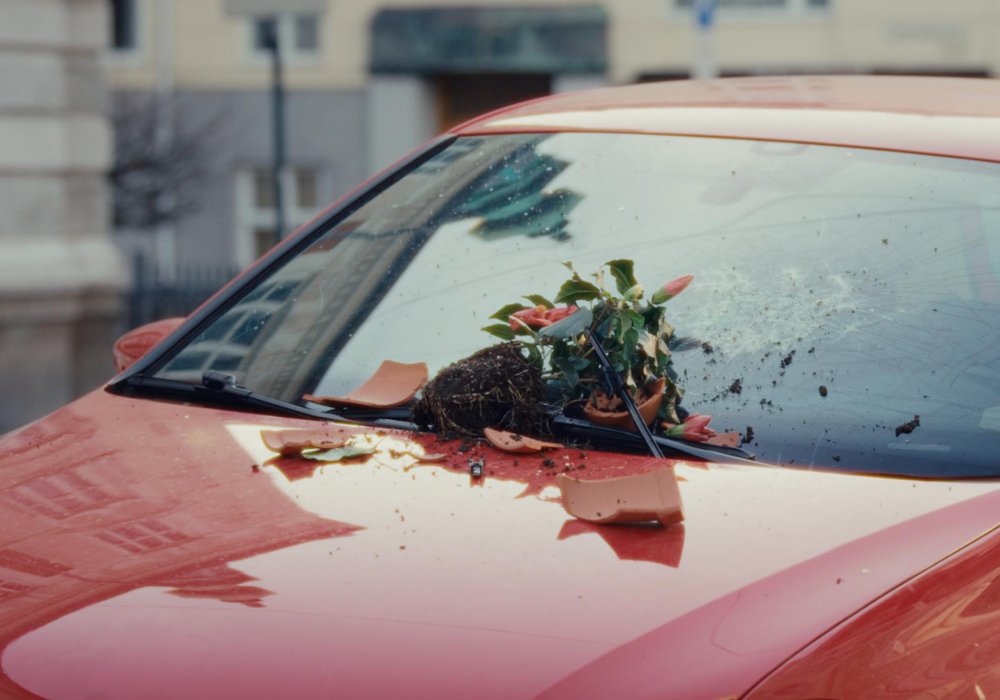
278, 125
164, 111
704, 67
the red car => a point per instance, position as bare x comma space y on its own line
842, 330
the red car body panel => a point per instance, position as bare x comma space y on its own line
936, 637
143, 555
937, 116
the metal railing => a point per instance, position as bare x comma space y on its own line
155, 296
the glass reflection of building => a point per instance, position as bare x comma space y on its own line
85, 523
286, 331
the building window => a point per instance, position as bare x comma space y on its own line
124, 25
297, 35
302, 195
264, 29
306, 33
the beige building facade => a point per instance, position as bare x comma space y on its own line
211, 50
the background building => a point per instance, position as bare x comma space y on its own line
60, 274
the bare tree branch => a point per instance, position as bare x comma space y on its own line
157, 179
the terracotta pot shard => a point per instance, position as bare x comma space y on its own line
293, 442
648, 409
518, 444
653, 496
393, 384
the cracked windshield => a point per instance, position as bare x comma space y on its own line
811, 305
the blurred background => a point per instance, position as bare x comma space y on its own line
149, 149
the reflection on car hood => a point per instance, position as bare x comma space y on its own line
154, 550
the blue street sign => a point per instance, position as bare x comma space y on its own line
704, 12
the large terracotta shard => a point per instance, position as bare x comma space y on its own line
653, 496
518, 444
293, 442
393, 384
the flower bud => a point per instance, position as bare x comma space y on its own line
694, 429
634, 292
671, 289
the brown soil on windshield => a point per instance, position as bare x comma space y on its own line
496, 387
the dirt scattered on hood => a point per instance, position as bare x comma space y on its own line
787, 359
908, 427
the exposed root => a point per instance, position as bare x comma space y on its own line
496, 387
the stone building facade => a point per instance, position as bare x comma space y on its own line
61, 276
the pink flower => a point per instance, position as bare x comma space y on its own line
539, 316
671, 289
694, 429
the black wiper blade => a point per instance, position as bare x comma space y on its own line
611, 437
225, 387
217, 387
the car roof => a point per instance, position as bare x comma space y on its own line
957, 117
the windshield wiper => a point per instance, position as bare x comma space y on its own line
614, 437
221, 387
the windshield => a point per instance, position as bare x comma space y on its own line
843, 312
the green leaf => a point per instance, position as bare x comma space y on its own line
622, 323
636, 320
624, 274
339, 453
505, 313
577, 290
570, 367
572, 325
630, 346
539, 300
606, 328
500, 330
651, 316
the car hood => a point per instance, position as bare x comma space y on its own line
152, 549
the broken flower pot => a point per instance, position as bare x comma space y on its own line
653, 496
648, 408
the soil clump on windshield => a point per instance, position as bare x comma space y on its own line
496, 387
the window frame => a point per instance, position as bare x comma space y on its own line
140, 32
250, 216
287, 27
